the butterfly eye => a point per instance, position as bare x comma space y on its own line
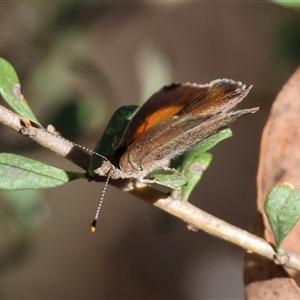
115, 173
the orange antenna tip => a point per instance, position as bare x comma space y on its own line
93, 226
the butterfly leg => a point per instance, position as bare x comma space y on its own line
173, 170
153, 181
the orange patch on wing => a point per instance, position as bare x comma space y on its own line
157, 117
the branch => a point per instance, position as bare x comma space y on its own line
188, 213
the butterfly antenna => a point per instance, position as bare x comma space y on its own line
94, 223
63, 138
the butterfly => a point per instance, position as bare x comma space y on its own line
170, 123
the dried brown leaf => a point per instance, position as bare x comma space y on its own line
280, 153
276, 288
279, 162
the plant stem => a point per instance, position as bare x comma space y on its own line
183, 210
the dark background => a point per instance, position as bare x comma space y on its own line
78, 62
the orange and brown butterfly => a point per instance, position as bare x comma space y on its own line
170, 123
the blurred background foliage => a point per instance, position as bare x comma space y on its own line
78, 61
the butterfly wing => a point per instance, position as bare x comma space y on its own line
181, 99
223, 95
161, 106
170, 138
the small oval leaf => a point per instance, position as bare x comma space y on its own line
197, 160
22, 173
10, 90
112, 134
193, 171
282, 208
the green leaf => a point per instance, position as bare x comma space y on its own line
10, 90
211, 141
196, 161
291, 4
112, 135
190, 165
193, 171
173, 179
282, 208
21, 173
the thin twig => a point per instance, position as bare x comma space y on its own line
183, 210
